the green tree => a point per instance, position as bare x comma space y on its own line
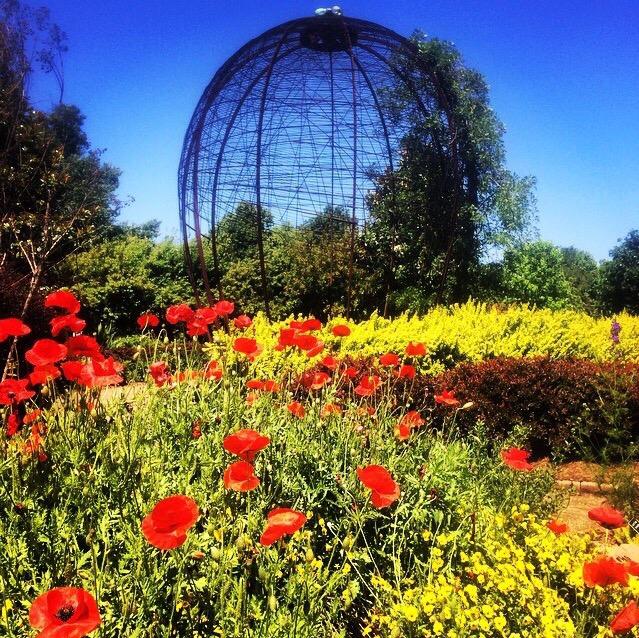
236, 233
620, 276
451, 199
533, 273
123, 277
56, 196
582, 273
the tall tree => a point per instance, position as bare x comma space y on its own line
620, 276
532, 273
56, 195
582, 272
451, 199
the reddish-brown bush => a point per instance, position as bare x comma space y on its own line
569, 408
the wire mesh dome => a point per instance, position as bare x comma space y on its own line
296, 124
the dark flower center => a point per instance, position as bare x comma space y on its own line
64, 613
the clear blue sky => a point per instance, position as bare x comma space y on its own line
563, 74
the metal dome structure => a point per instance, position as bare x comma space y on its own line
298, 123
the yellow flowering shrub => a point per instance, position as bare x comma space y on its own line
471, 331
517, 580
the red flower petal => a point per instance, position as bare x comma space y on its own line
64, 612
169, 521
240, 476
245, 444
63, 299
341, 330
45, 352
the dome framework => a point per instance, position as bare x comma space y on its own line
302, 121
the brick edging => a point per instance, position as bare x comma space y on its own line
586, 487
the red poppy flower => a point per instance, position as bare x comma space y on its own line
71, 370
350, 372
557, 527
169, 521
446, 398
42, 374
73, 323
196, 328
516, 459
415, 349
206, 315
251, 398
12, 327
368, 385
242, 322
296, 409
384, 489
249, 347
402, 430
148, 320
405, 371
341, 330
271, 386
14, 391
101, 373
224, 308
82, 346
315, 380
44, 352
64, 612
389, 359
279, 522
63, 299
607, 517
213, 370
331, 408
13, 424
245, 444
160, 373
604, 571
626, 619
305, 342
179, 312
255, 384
287, 337
32, 416
311, 324
240, 476
413, 419
330, 362
318, 349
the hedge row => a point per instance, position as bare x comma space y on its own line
563, 408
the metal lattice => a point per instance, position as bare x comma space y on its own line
296, 121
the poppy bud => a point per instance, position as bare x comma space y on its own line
309, 555
165, 340
262, 574
216, 553
197, 555
44, 391
272, 602
347, 543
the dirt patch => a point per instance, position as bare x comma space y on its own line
576, 512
